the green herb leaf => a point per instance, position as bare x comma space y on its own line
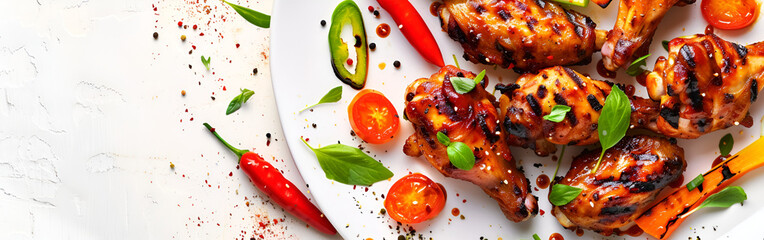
562, 194
252, 16
479, 77
536, 237
725, 144
614, 120
349, 165
206, 62
695, 182
333, 95
462, 85
443, 139
725, 198
557, 114
461, 155
665, 44
239, 100
636, 67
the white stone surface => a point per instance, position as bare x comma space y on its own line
91, 117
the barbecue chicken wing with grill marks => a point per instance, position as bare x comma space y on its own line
526, 35
706, 84
631, 175
524, 103
634, 29
432, 106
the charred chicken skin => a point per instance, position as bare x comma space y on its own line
634, 29
527, 35
524, 103
631, 175
705, 84
432, 106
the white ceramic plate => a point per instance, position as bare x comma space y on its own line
302, 74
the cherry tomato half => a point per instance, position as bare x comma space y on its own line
373, 117
414, 199
729, 14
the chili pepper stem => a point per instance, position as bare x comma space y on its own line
306, 144
238, 152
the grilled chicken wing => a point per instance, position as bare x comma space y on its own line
631, 175
634, 29
526, 35
532, 96
432, 106
706, 84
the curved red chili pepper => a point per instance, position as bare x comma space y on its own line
414, 29
281, 191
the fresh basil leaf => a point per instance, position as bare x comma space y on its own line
695, 182
462, 85
332, 96
725, 144
614, 120
557, 114
479, 77
443, 139
349, 165
665, 44
562, 194
636, 67
206, 62
725, 198
239, 100
252, 16
461, 155
536, 237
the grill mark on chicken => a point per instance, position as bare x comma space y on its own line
688, 55
534, 104
594, 103
574, 76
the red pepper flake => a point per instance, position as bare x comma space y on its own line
194, 26
230, 174
192, 119
349, 61
550, 57
193, 46
224, 88
237, 45
371, 9
201, 34
180, 24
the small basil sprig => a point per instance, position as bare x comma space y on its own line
636, 67
464, 85
332, 96
252, 16
557, 114
614, 121
239, 100
665, 44
349, 165
725, 144
459, 154
206, 62
562, 194
695, 182
723, 199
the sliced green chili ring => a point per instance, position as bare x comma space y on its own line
347, 12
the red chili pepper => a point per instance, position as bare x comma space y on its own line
281, 191
414, 29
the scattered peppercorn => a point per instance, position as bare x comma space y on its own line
213, 97
194, 26
376, 13
397, 64
189, 66
254, 71
156, 35
352, 133
183, 92
268, 135
372, 46
323, 23
183, 38
314, 125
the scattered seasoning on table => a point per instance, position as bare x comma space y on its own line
189, 66
156, 35
376, 13
172, 165
383, 30
194, 27
371, 9
237, 45
382, 66
183, 38
254, 71
314, 125
372, 46
397, 64
323, 23
183, 92
180, 24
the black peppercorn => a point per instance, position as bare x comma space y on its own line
323, 23
376, 13
268, 135
397, 64
372, 46
156, 35
254, 71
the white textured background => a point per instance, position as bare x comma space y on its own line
91, 116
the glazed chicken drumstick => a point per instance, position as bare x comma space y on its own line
527, 35
432, 106
634, 29
631, 175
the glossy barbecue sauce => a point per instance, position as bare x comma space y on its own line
556, 236
718, 160
434, 8
542, 181
455, 212
633, 231
678, 182
383, 30
603, 71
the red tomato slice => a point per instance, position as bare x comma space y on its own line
373, 117
729, 14
414, 199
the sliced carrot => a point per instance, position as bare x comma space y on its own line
662, 219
